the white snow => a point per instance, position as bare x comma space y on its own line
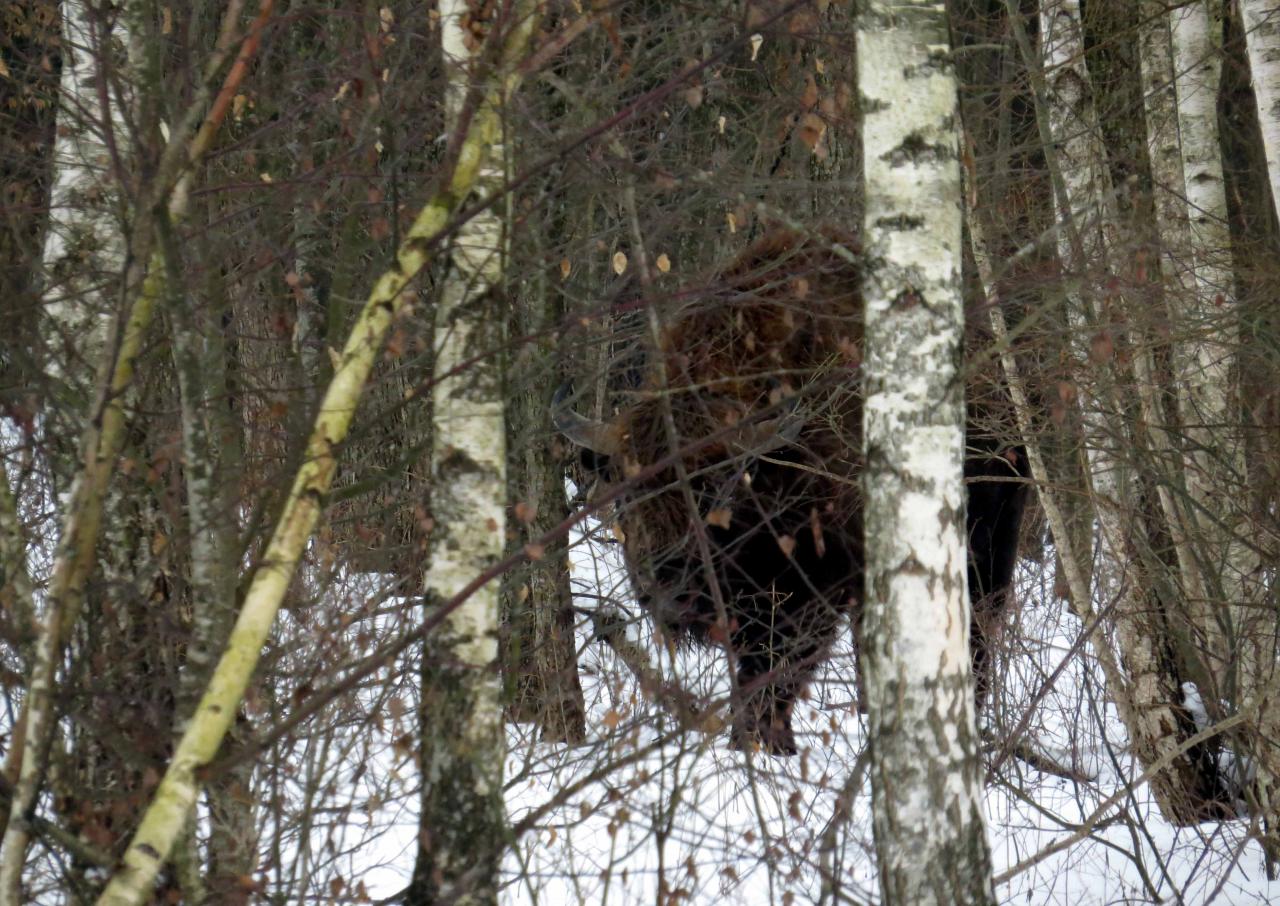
684, 812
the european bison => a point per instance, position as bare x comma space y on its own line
745, 524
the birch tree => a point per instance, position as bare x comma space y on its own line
212, 455
463, 817
84, 263
84, 245
91, 168
1164, 152
924, 744
1206, 342
1087, 230
1237, 635
1262, 42
166, 815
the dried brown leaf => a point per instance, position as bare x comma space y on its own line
720, 517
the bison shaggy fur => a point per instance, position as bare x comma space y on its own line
739, 443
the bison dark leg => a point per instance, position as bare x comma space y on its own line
762, 711
859, 668
783, 633
994, 517
983, 628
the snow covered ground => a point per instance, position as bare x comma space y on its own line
647, 808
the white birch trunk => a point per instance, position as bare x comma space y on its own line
1087, 227
463, 742
1164, 149
927, 787
1206, 328
1262, 44
83, 262
84, 245
1237, 632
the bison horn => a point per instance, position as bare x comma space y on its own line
599, 437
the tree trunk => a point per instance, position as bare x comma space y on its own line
1236, 629
1164, 151
1262, 43
83, 259
1205, 327
1087, 221
541, 653
927, 786
211, 463
462, 823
